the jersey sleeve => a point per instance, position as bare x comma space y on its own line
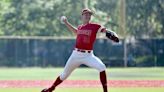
101, 29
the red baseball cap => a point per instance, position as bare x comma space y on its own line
86, 10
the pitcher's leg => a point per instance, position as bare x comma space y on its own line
103, 80
69, 67
96, 63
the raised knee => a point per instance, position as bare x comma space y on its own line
102, 68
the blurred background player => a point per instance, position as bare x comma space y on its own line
83, 51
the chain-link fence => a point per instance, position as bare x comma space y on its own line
27, 52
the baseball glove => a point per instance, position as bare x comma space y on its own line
112, 36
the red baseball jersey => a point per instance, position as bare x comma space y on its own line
86, 35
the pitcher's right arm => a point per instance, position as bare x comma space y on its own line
70, 26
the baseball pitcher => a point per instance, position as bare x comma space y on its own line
83, 50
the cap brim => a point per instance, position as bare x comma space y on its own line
87, 12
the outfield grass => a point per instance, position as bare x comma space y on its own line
85, 90
82, 74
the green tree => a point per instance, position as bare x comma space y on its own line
42, 17
4, 6
39, 17
145, 18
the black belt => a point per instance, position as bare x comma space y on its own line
83, 51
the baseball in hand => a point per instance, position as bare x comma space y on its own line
62, 19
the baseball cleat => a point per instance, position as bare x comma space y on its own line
46, 90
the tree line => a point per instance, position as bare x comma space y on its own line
144, 18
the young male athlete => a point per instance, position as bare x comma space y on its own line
83, 51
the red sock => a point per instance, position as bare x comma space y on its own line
103, 80
56, 83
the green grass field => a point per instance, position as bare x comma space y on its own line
83, 74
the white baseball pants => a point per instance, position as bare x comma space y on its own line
77, 58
